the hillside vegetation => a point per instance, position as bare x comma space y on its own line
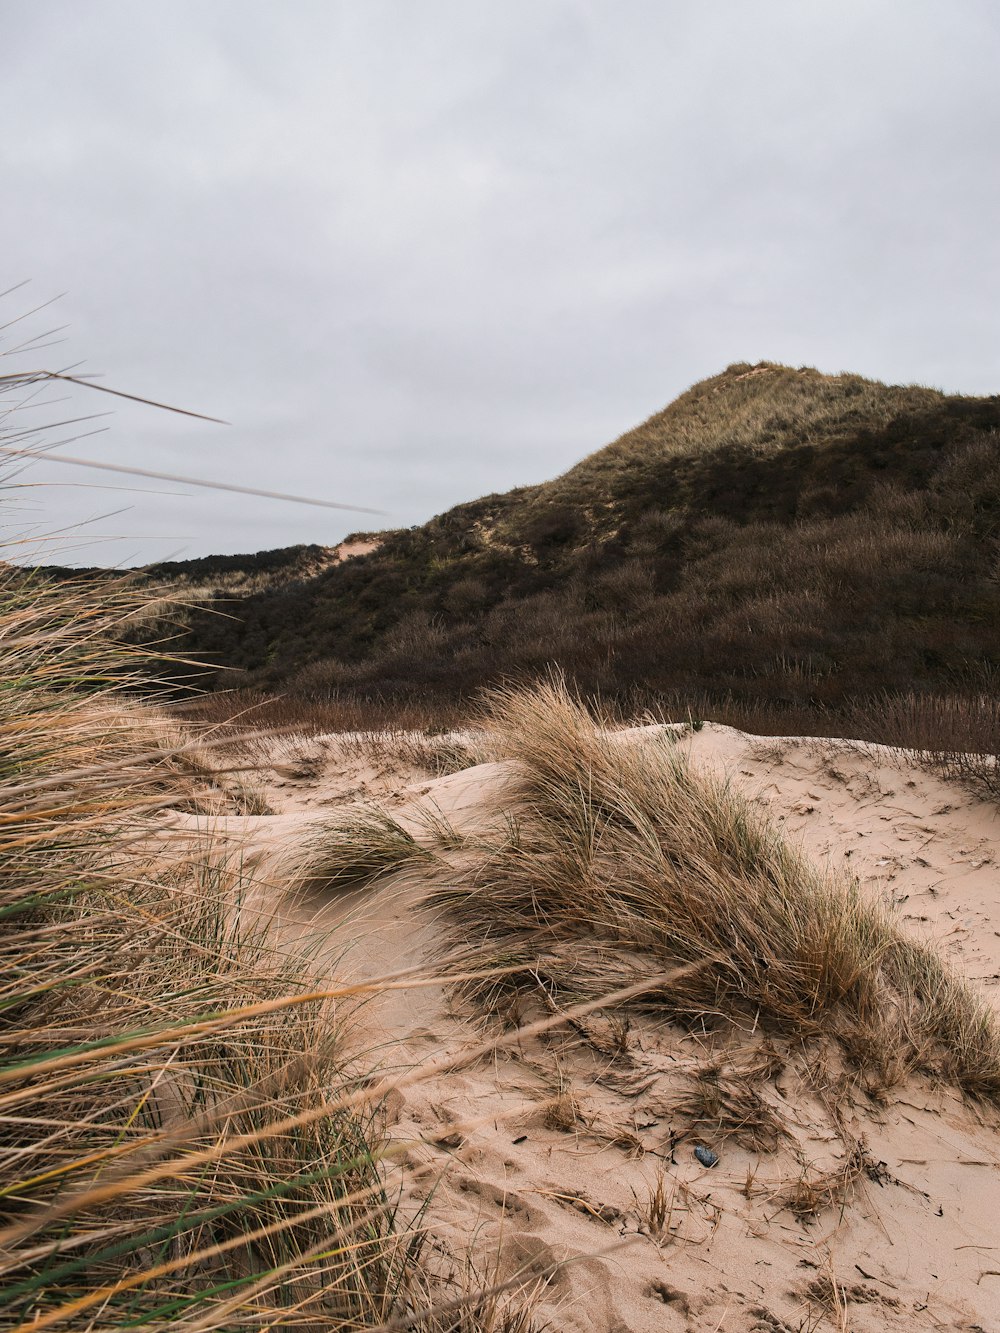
774, 535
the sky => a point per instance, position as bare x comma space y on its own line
414, 253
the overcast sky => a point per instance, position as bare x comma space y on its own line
420, 250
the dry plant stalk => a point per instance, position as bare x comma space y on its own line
816, 1192
659, 1207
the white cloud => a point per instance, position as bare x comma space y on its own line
416, 252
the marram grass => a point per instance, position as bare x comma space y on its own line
624, 856
184, 1141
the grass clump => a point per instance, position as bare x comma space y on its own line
623, 853
185, 1139
722, 1100
351, 847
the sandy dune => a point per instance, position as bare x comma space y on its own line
571, 1159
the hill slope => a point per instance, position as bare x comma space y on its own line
775, 533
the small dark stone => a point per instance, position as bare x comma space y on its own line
705, 1155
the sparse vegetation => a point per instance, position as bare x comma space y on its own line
722, 1100
234, 712
435, 753
956, 736
816, 1191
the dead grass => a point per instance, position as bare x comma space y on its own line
434, 753
955, 736
314, 713
659, 1206
183, 1139
351, 847
623, 851
817, 1191
722, 1100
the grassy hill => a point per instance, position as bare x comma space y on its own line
773, 534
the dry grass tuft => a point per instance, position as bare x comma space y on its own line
348, 848
439, 755
723, 1101
659, 1206
622, 851
183, 1142
816, 1191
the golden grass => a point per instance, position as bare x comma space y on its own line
185, 1138
763, 407
348, 848
623, 856
136, 1030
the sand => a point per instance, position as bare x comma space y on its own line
566, 1159
350, 550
